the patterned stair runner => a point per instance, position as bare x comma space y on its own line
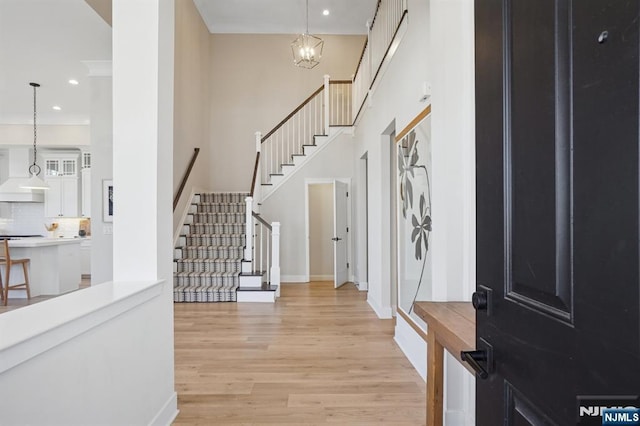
209, 259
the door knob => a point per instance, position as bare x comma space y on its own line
474, 358
482, 299
336, 239
479, 300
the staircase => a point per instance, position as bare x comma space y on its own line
209, 254
270, 183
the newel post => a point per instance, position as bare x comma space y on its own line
248, 234
257, 189
327, 117
258, 141
275, 256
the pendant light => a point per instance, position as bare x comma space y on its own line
307, 48
34, 181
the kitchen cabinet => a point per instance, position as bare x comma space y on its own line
55, 264
62, 199
86, 192
85, 257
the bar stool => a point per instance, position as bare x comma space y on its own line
8, 262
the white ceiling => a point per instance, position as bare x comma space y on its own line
286, 16
46, 41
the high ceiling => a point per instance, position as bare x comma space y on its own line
286, 16
46, 41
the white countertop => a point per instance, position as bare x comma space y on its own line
42, 242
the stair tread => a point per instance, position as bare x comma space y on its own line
252, 274
263, 287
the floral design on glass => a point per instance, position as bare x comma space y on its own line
415, 185
407, 162
421, 229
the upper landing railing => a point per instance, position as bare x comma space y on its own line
382, 32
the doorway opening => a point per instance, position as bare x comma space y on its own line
321, 232
328, 217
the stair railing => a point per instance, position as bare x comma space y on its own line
381, 33
262, 245
185, 178
340, 94
329, 105
292, 133
256, 181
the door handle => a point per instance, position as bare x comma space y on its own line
474, 358
479, 300
482, 299
336, 239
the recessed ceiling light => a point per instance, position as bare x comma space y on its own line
57, 107
325, 12
74, 82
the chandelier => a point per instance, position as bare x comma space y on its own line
307, 48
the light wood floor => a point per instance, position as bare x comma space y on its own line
317, 356
15, 303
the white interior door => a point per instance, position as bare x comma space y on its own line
340, 266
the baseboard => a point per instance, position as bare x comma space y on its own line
413, 346
167, 413
383, 313
456, 417
293, 279
320, 277
183, 217
363, 286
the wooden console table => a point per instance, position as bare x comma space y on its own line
452, 326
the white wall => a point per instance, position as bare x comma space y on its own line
437, 48
287, 204
453, 205
105, 366
320, 231
101, 168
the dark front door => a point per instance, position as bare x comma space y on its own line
557, 209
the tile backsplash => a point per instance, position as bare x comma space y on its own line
28, 219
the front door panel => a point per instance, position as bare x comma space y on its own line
557, 206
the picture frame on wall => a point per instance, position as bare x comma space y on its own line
415, 251
107, 200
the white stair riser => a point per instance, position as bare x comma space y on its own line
250, 281
245, 266
309, 150
256, 296
275, 180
